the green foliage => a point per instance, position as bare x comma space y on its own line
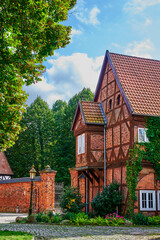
50, 214
152, 148
110, 220
30, 31
107, 200
47, 139
34, 144
44, 218
64, 149
80, 219
133, 167
140, 219
155, 220
56, 218
71, 200
69, 216
10, 235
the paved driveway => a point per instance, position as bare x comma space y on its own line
10, 217
47, 232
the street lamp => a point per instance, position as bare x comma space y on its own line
32, 177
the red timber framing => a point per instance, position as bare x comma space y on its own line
121, 134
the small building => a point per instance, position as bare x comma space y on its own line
5, 170
128, 91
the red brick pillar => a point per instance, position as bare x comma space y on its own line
74, 177
47, 192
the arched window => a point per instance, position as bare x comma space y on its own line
118, 99
110, 104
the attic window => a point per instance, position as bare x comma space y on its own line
118, 99
110, 104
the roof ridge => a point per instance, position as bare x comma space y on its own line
125, 55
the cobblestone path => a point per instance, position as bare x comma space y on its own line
47, 232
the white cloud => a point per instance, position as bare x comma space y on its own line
67, 76
147, 22
93, 16
75, 32
140, 49
136, 6
85, 15
43, 89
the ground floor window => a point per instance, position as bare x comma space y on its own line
158, 199
147, 200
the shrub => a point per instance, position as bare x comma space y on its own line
50, 214
71, 200
80, 219
39, 216
56, 218
69, 216
107, 201
140, 219
42, 217
155, 220
45, 218
98, 221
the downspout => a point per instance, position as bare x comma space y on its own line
86, 195
105, 168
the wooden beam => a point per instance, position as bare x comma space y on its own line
87, 175
94, 176
99, 174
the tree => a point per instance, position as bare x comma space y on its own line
30, 31
34, 145
152, 148
47, 139
64, 150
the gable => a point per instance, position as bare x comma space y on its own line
79, 122
138, 80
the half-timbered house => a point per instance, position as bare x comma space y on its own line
127, 92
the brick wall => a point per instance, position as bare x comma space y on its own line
16, 192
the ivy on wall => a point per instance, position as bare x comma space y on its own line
133, 167
152, 148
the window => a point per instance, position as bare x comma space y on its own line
142, 137
158, 199
110, 104
147, 200
81, 143
118, 99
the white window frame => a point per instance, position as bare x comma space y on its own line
145, 135
81, 143
158, 199
147, 192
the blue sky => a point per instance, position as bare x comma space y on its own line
129, 27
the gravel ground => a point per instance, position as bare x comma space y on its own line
47, 232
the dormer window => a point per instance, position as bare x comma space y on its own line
81, 143
110, 104
142, 137
118, 99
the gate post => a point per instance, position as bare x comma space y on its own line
47, 195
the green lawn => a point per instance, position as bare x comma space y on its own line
7, 235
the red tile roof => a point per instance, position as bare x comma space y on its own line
4, 165
92, 112
140, 82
